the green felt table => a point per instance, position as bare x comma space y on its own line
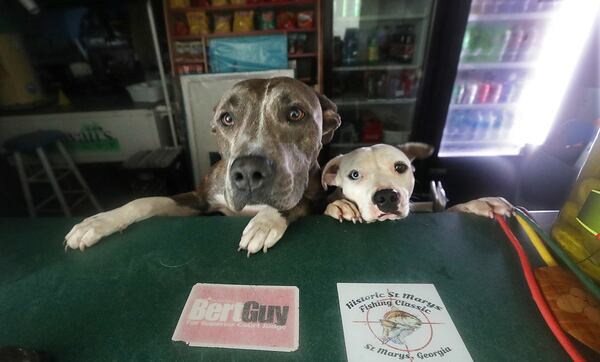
121, 299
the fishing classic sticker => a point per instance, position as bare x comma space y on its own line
240, 316
386, 322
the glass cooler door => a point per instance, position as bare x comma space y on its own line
516, 60
379, 48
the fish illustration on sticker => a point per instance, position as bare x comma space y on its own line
397, 325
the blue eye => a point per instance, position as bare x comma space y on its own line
353, 175
295, 114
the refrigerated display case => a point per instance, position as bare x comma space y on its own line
378, 52
516, 59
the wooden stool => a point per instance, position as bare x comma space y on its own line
34, 143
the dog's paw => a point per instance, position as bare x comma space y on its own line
343, 210
91, 230
263, 231
486, 206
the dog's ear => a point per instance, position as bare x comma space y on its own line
416, 150
331, 118
329, 175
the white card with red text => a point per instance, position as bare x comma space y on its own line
387, 322
240, 316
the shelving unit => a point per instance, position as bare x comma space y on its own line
309, 64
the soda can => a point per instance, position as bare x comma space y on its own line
495, 92
459, 93
470, 92
483, 92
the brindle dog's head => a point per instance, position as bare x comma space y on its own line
269, 133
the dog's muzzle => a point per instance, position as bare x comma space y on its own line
251, 179
386, 200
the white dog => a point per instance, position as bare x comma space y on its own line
375, 184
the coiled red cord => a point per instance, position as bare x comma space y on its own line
537, 294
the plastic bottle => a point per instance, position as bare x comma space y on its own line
459, 92
483, 92
529, 45
511, 89
496, 125
506, 36
512, 51
495, 91
408, 45
470, 92
577, 229
373, 51
465, 54
482, 126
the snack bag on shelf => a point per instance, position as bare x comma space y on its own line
243, 21
181, 28
286, 20
266, 20
197, 22
305, 19
176, 4
219, 2
222, 23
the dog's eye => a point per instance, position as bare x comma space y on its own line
354, 175
227, 119
295, 114
400, 167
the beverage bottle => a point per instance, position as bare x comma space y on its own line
470, 92
350, 50
383, 40
468, 123
577, 228
466, 44
512, 92
495, 92
373, 51
496, 34
483, 92
529, 45
512, 52
458, 92
396, 43
484, 44
505, 41
496, 126
482, 126
408, 48
507, 118
453, 128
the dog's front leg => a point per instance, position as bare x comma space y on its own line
485, 206
92, 229
268, 226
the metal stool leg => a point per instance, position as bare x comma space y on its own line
80, 178
25, 184
53, 182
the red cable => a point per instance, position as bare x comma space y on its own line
537, 294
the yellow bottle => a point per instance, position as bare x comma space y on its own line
577, 229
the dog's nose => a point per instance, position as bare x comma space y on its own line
250, 173
386, 200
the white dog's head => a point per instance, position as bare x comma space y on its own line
378, 179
